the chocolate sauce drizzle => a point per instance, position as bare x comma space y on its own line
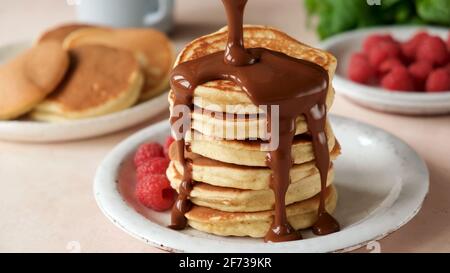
270, 78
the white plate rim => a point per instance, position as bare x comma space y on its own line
115, 208
157, 105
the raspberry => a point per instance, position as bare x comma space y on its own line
383, 51
439, 80
447, 67
167, 144
375, 39
360, 69
398, 79
434, 50
388, 65
147, 151
409, 48
154, 192
448, 41
420, 71
157, 165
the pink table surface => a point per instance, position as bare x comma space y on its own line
46, 200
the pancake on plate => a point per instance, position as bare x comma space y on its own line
218, 173
152, 48
61, 32
27, 79
232, 193
300, 215
101, 80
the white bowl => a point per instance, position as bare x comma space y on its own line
344, 45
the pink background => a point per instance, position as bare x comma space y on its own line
46, 200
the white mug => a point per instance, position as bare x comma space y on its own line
127, 13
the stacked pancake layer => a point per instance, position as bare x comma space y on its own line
232, 194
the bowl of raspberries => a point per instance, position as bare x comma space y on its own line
399, 69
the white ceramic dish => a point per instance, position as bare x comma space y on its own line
343, 45
32, 131
381, 181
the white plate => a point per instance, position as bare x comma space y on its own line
32, 131
381, 181
343, 45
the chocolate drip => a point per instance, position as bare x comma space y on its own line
270, 78
182, 204
235, 53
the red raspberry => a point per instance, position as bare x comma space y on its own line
157, 165
438, 81
388, 65
147, 151
420, 71
448, 41
375, 39
382, 52
398, 79
167, 144
447, 67
360, 69
409, 48
434, 50
154, 192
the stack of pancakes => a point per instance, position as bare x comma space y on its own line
95, 71
232, 196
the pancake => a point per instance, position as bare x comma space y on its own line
152, 48
249, 153
101, 80
301, 215
26, 80
230, 100
226, 93
226, 97
243, 122
61, 32
238, 200
222, 174
231, 192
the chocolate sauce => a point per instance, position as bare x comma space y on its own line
235, 53
270, 78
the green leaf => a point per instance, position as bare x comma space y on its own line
336, 16
434, 11
404, 12
386, 4
312, 6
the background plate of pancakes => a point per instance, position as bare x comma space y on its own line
79, 81
381, 182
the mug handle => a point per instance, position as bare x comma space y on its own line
164, 10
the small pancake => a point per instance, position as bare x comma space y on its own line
61, 32
237, 200
222, 174
26, 80
152, 48
101, 80
301, 215
250, 153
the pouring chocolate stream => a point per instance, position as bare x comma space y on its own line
269, 78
